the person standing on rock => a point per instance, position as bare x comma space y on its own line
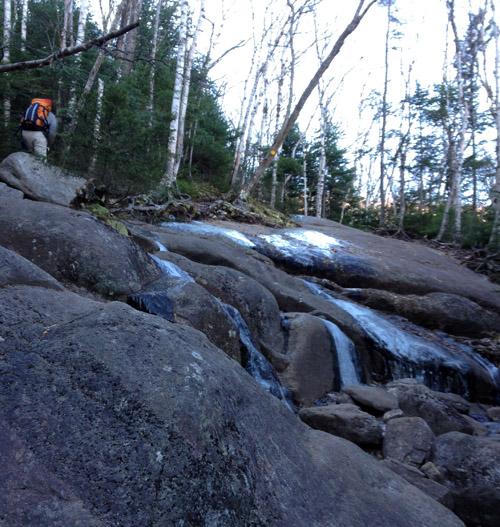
39, 127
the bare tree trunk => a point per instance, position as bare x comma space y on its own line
82, 21
152, 71
304, 179
384, 115
7, 29
130, 39
494, 242
320, 187
288, 124
66, 33
186, 87
97, 125
24, 23
274, 176
169, 177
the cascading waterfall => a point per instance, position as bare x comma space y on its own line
411, 356
346, 352
171, 270
256, 364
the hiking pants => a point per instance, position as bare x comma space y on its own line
36, 142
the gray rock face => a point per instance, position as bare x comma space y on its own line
190, 304
468, 461
344, 420
309, 374
255, 303
471, 465
414, 476
454, 314
494, 413
372, 397
73, 246
39, 181
16, 270
409, 440
114, 417
416, 400
9, 192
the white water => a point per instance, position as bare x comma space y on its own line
171, 270
257, 365
345, 350
405, 345
198, 227
160, 246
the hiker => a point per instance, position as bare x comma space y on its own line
39, 127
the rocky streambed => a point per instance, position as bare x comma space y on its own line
229, 374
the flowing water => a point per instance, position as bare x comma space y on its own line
346, 353
171, 270
256, 364
440, 367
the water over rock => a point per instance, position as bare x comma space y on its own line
136, 421
75, 247
39, 181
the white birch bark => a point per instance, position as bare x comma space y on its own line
66, 36
274, 176
304, 180
494, 242
152, 71
169, 177
97, 125
24, 23
7, 22
186, 87
82, 21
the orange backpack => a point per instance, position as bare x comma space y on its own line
36, 116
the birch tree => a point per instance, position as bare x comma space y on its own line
152, 71
169, 177
361, 10
456, 153
186, 85
97, 137
24, 23
7, 30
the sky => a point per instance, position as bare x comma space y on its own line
356, 72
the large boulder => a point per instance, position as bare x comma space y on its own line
310, 372
471, 466
414, 476
39, 181
256, 304
374, 398
75, 247
16, 270
447, 312
190, 304
110, 416
345, 420
409, 440
416, 400
9, 192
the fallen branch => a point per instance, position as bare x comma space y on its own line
66, 52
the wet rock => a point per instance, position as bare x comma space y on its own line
478, 429
454, 400
39, 181
344, 420
471, 466
16, 270
73, 246
414, 476
392, 414
310, 372
373, 398
416, 400
109, 416
454, 314
190, 304
494, 413
409, 440
255, 303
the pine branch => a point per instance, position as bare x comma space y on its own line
66, 52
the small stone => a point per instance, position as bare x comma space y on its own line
432, 472
372, 397
392, 414
494, 413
